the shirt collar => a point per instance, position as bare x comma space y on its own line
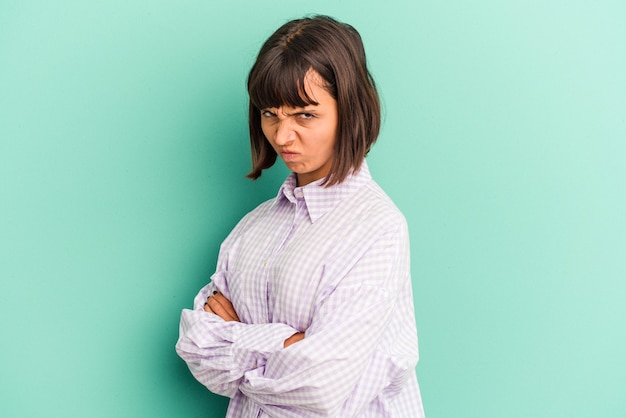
319, 199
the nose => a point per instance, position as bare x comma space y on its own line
284, 132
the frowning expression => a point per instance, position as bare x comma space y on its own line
304, 137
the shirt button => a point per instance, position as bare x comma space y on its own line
299, 194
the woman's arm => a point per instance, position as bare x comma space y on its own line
317, 375
352, 341
219, 305
220, 352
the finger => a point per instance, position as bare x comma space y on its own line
207, 308
227, 305
219, 310
299, 336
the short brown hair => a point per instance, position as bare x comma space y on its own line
335, 51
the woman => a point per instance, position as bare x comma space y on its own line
310, 311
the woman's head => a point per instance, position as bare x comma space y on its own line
330, 54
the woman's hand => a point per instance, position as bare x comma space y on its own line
220, 306
294, 339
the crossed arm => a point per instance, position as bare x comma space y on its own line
219, 305
229, 356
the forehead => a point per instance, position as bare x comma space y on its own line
313, 94
280, 84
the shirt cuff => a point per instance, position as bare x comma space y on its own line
254, 343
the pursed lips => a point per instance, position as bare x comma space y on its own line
288, 154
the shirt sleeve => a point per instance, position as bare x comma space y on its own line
219, 353
316, 376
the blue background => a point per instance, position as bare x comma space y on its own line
123, 146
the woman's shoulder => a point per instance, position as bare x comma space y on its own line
371, 205
250, 218
261, 210
375, 196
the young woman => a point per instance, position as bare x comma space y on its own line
310, 312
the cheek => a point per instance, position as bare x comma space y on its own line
332, 133
332, 140
267, 130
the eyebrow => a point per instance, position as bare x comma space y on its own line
298, 109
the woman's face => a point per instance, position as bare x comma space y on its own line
304, 137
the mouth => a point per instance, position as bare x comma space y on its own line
288, 155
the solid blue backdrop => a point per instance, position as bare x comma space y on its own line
123, 146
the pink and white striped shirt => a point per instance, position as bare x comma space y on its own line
333, 263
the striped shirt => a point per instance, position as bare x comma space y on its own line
332, 262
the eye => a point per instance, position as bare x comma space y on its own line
306, 116
267, 114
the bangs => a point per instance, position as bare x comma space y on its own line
331, 54
279, 82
